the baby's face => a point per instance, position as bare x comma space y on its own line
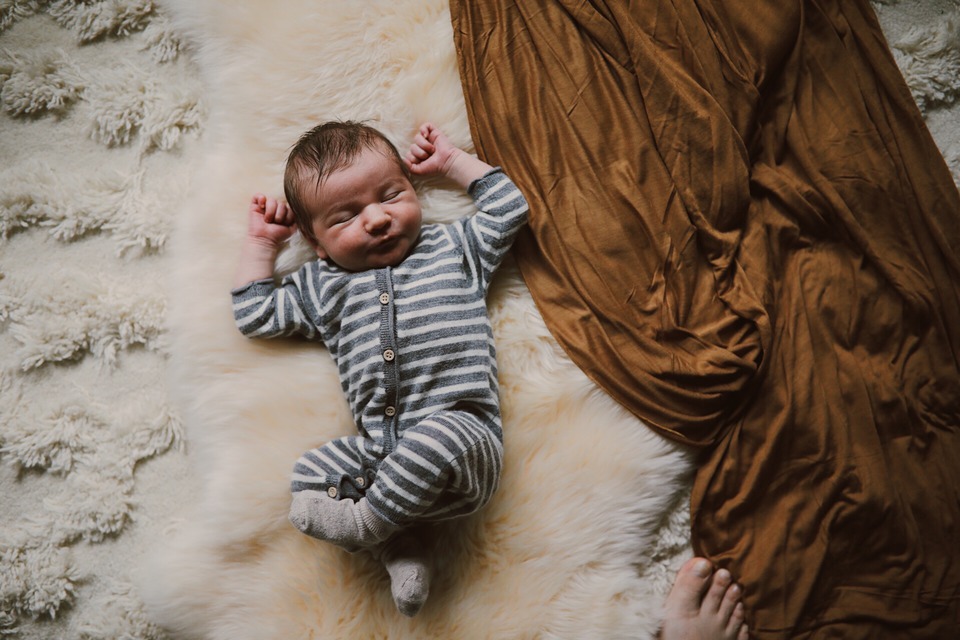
365, 215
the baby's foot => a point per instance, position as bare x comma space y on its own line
351, 525
409, 583
407, 560
701, 607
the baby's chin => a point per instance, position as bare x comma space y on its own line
390, 256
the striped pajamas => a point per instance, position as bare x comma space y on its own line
416, 359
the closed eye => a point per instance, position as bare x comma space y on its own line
341, 218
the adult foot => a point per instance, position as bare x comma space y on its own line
703, 605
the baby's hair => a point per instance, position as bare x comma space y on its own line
326, 148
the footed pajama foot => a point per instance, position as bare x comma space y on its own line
351, 525
407, 560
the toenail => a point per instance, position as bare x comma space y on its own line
702, 568
723, 575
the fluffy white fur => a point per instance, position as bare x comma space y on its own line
569, 546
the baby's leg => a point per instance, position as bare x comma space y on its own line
446, 466
328, 485
407, 557
345, 464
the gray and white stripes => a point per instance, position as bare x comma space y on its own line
416, 360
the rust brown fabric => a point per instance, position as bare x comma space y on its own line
742, 230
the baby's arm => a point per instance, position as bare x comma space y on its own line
432, 153
269, 224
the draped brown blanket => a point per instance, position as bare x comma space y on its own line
742, 230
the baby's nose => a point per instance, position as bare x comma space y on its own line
377, 219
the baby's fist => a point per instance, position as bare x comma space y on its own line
431, 152
270, 219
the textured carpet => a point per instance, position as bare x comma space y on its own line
100, 119
135, 424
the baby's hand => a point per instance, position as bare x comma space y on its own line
431, 152
269, 219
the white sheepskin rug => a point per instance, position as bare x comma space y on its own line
590, 521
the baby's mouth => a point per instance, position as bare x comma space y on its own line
386, 242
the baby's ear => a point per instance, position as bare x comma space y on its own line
319, 250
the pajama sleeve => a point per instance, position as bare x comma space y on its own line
501, 213
262, 309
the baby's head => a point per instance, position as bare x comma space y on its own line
352, 197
